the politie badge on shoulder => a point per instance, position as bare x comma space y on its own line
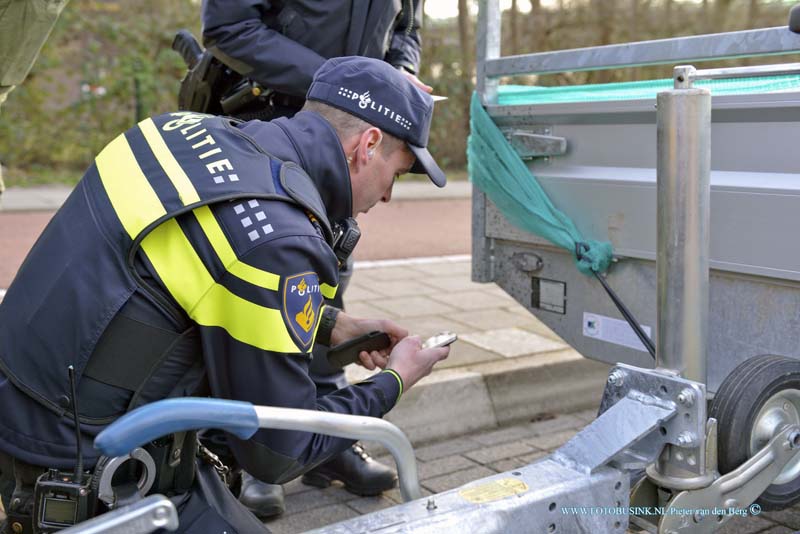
302, 300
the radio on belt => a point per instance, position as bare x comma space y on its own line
64, 498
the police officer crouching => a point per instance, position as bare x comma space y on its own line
264, 57
194, 257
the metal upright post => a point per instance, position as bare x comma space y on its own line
684, 168
488, 45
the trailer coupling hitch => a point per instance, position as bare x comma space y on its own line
707, 509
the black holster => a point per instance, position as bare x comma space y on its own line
19, 506
174, 456
206, 80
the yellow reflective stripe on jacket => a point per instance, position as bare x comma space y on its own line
207, 302
175, 260
328, 291
219, 242
188, 195
181, 270
186, 191
134, 201
244, 320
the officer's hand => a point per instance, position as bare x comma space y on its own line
373, 360
349, 327
412, 362
416, 81
379, 358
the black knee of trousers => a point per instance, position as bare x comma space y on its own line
210, 508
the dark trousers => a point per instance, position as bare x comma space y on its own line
210, 508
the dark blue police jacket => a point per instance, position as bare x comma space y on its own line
195, 246
282, 44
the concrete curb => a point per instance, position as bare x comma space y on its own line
427, 191
455, 401
38, 198
50, 197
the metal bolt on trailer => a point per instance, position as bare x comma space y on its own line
715, 425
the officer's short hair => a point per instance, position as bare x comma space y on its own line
347, 125
376, 92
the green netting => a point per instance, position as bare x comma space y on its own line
511, 95
497, 170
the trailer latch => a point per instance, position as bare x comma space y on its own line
532, 145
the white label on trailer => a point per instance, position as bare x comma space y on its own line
612, 330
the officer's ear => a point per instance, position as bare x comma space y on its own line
362, 148
370, 141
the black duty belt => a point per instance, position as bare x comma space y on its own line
169, 469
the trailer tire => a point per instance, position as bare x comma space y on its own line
757, 397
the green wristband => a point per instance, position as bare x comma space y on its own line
399, 380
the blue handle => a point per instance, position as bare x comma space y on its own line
175, 415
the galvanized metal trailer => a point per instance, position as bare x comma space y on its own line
700, 196
606, 182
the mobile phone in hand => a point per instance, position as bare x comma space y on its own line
442, 339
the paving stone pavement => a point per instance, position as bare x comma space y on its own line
506, 366
448, 464
428, 297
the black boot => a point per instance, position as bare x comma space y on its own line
264, 500
357, 470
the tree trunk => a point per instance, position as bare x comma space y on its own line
538, 26
466, 56
464, 40
668, 16
721, 8
514, 23
752, 15
605, 11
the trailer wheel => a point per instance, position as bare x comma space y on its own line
758, 398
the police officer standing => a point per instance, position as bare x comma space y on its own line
195, 255
278, 45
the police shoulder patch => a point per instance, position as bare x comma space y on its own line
302, 300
